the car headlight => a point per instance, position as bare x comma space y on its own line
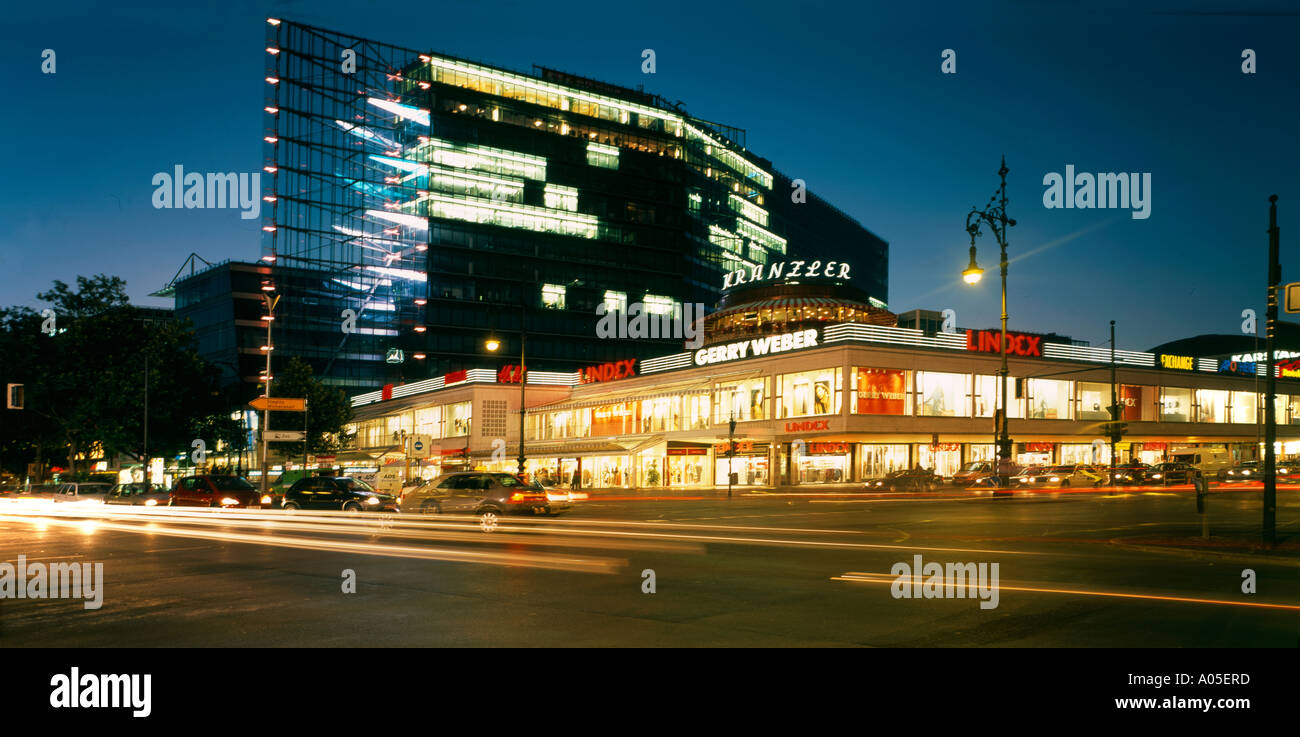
372, 500
1055, 478
231, 501
266, 499
151, 502
1155, 475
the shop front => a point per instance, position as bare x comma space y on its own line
1036, 454
824, 463
942, 458
1150, 453
687, 465
749, 461
878, 459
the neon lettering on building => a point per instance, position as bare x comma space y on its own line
1018, 344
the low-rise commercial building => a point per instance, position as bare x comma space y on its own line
822, 394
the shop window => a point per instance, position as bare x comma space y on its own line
1049, 399
1245, 407
942, 395
1094, 401
810, 393
696, 411
1175, 404
662, 414
741, 400
1138, 403
1211, 405
879, 391
877, 460
988, 395
458, 419
428, 421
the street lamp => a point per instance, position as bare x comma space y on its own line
493, 345
267, 288
994, 215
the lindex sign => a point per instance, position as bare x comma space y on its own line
1018, 344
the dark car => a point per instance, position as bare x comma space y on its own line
139, 493
1130, 474
1254, 471
913, 479
1171, 473
216, 491
338, 493
485, 494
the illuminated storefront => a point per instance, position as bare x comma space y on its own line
824, 404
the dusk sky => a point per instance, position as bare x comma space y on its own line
848, 97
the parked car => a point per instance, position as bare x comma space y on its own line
211, 490
488, 495
92, 492
972, 472
139, 493
1058, 477
339, 493
910, 479
1172, 473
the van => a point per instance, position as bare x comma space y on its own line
1208, 461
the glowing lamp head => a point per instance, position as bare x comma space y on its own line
492, 344
973, 272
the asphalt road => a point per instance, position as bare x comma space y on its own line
1075, 570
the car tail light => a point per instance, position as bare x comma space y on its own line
517, 497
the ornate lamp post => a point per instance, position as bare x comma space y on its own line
994, 215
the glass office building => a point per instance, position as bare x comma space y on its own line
445, 201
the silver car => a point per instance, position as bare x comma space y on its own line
486, 494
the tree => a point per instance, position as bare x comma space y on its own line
86, 384
328, 410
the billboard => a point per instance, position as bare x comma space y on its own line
881, 391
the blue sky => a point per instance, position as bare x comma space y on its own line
847, 96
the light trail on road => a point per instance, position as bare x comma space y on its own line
879, 578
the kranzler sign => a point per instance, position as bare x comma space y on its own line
756, 347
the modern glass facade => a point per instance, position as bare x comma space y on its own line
450, 200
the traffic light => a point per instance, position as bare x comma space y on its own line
14, 396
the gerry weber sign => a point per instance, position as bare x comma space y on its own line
777, 272
756, 347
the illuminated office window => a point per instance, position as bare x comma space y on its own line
615, 301
553, 296
657, 305
598, 154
